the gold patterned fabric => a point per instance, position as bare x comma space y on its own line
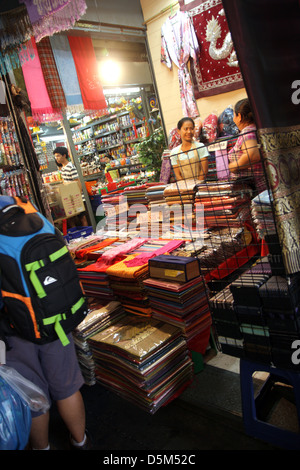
281, 150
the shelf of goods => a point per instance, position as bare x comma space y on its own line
109, 139
13, 178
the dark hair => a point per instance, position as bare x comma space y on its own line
183, 120
243, 108
61, 151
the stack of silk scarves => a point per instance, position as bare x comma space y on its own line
225, 204
115, 210
126, 277
143, 360
99, 317
184, 305
180, 197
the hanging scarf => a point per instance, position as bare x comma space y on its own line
86, 65
42, 109
67, 72
51, 76
15, 28
53, 16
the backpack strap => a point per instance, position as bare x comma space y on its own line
36, 265
56, 319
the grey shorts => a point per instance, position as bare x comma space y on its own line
52, 367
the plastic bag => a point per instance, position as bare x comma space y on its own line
32, 395
15, 419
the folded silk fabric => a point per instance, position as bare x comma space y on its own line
143, 258
87, 71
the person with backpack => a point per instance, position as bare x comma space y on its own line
41, 302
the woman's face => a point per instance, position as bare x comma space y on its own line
187, 131
237, 119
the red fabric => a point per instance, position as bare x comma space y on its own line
86, 67
212, 76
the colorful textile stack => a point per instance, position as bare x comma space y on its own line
225, 203
115, 209
184, 305
155, 195
98, 318
143, 360
180, 198
226, 323
262, 214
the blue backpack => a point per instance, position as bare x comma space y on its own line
41, 294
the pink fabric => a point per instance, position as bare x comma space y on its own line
223, 172
143, 258
36, 87
109, 256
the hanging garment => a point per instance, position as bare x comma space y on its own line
52, 16
51, 76
87, 71
178, 45
67, 72
41, 106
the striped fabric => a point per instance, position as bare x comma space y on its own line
69, 172
51, 76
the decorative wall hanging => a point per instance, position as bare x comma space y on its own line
52, 16
87, 72
178, 45
216, 70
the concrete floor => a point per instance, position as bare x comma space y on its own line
206, 416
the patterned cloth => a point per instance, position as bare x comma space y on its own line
69, 172
67, 72
178, 44
41, 106
256, 171
51, 76
216, 70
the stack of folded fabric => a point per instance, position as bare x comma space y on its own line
98, 318
280, 297
184, 305
115, 209
178, 295
180, 198
225, 203
143, 360
127, 276
155, 195
93, 277
226, 323
262, 214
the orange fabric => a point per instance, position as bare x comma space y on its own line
27, 302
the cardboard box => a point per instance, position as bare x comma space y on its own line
68, 200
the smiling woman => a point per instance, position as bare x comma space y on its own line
190, 158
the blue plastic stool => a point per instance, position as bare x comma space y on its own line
255, 427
